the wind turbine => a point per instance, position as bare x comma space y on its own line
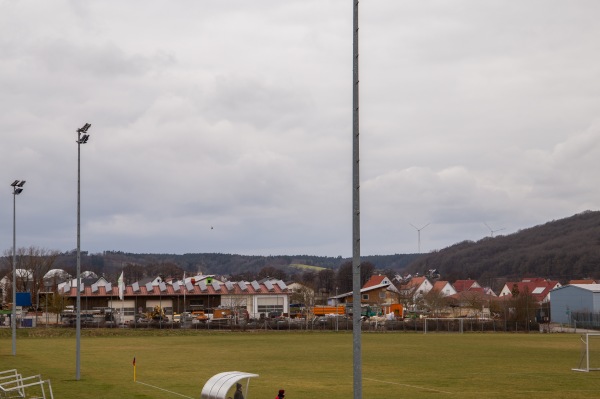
492, 231
419, 233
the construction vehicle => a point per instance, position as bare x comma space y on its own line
365, 310
157, 314
199, 315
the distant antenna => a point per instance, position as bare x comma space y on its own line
419, 233
492, 231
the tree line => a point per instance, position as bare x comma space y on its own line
560, 250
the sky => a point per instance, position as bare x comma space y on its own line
226, 125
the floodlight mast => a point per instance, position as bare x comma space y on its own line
356, 286
419, 233
82, 138
17, 186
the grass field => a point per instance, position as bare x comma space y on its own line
305, 364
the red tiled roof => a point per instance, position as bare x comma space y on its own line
582, 282
463, 285
439, 285
374, 280
129, 292
537, 288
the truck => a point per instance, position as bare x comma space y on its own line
325, 310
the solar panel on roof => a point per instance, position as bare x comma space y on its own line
149, 287
242, 285
162, 286
189, 286
216, 286
135, 286
94, 287
538, 290
202, 285
229, 285
255, 285
269, 285
281, 284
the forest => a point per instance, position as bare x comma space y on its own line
560, 250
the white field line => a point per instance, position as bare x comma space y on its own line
162, 389
466, 394
410, 386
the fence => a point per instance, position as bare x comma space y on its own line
586, 320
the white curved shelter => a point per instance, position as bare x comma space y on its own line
218, 385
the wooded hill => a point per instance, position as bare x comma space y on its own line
560, 250
111, 263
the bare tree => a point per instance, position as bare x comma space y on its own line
38, 262
344, 275
308, 278
326, 280
436, 300
306, 297
272, 272
32, 264
165, 270
133, 272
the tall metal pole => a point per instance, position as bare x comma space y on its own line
82, 138
17, 189
356, 319
78, 282
14, 271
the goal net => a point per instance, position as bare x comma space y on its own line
590, 353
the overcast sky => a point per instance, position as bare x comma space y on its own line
226, 125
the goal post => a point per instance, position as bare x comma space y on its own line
590, 353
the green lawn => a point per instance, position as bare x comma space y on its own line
306, 364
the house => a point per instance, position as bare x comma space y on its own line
538, 288
465, 285
444, 288
474, 302
297, 287
579, 302
377, 291
416, 287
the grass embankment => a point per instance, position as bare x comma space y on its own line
305, 364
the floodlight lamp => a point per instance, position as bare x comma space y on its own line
18, 191
84, 128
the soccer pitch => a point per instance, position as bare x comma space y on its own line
177, 363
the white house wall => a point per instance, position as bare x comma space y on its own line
124, 309
261, 301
